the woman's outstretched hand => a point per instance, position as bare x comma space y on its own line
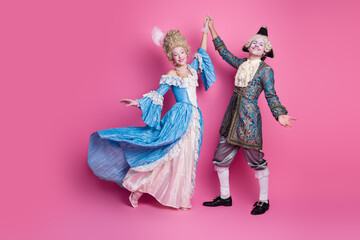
130, 102
284, 120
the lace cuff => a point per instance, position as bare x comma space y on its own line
151, 105
155, 97
198, 56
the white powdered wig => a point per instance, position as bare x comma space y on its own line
157, 36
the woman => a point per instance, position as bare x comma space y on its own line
159, 159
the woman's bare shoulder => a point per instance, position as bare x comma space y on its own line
171, 73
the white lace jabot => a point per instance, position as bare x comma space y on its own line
246, 72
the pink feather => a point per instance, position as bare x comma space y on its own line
157, 36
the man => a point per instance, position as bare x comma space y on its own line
241, 126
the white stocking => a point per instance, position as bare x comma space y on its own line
223, 174
263, 177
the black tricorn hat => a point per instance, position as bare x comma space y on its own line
262, 31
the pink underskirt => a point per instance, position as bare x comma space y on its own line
172, 182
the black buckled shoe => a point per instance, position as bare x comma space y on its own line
218, 201
260, 207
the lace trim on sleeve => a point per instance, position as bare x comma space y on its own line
170, 80
199, 58
155, 97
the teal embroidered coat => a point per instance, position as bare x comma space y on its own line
241, 125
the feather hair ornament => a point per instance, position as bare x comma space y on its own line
157, 36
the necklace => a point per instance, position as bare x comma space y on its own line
182, 74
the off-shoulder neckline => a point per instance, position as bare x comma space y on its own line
191, 75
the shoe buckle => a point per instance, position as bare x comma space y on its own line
260, 204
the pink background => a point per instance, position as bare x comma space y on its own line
65, 64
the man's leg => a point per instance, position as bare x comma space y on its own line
223, 175
263, 177
255, 158
224, 155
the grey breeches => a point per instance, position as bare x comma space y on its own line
226, 152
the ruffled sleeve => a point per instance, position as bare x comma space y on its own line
202, 63
151, 105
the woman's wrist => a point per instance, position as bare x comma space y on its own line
205, 30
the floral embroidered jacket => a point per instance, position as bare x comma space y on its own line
242, 121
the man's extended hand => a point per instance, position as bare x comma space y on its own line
284, 120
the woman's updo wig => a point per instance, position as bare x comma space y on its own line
174, 39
